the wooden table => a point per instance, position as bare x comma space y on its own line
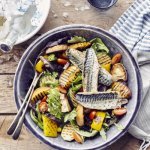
8, 64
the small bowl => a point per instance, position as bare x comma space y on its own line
102, 6
25, 73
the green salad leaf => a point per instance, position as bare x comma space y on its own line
49, 79
54, 103
119, 126
70, 116
76, 39
103, 134
51, 57
98, 45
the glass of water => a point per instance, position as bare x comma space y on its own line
102, 4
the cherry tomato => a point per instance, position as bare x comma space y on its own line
44, 99
92, 114
62, 61
120, 111
43, 107
62, 90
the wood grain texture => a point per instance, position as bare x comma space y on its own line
27, 141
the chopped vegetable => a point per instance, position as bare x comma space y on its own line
103, 134
67, 133
39, 66
76, 88
49, 126
61, 89
76, 39
99, 46
54, 103
51, 57
62, 61
80, 115
120, 111
92, 114
39, 93
116, 58
49, 80
98, 121
57, 48
70, 116
107, 67
78, 138
82, 45
43, 107
119, 127
65, 106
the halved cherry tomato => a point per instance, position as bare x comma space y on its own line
62, 61
43, 107
120, 111
44, 99
92, 114
62, 90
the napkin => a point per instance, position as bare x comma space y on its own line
133, 29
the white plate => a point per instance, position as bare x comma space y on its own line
46, 4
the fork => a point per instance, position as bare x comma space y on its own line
16, 125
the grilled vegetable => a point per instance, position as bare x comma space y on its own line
120, 111
100, 100
65, 106
57, 48
49, 126
39, 93
79, 46
67, 133
90, 71
119, 72
103, 58
98, 121
80, 115
107, 67
124, 91
62, 90
78, 138
116, 58
68, 75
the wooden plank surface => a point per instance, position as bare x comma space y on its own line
8, 64
27, 141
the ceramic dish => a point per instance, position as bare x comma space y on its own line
25, 73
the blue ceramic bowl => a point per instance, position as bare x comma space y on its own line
25, 73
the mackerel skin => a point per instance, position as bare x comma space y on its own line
100, 100
77, 58
90, 71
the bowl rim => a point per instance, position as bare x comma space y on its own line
30, 35
89, 27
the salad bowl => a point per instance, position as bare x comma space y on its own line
25, 74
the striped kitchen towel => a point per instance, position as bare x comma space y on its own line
133, 29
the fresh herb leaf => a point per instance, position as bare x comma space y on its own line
103, 134
119, 126
70, 116
76, 88
78, 79
76, 39
54, 103
99, 46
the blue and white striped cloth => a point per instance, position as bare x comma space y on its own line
133, 29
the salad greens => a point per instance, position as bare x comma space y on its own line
76, 39
70, 116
